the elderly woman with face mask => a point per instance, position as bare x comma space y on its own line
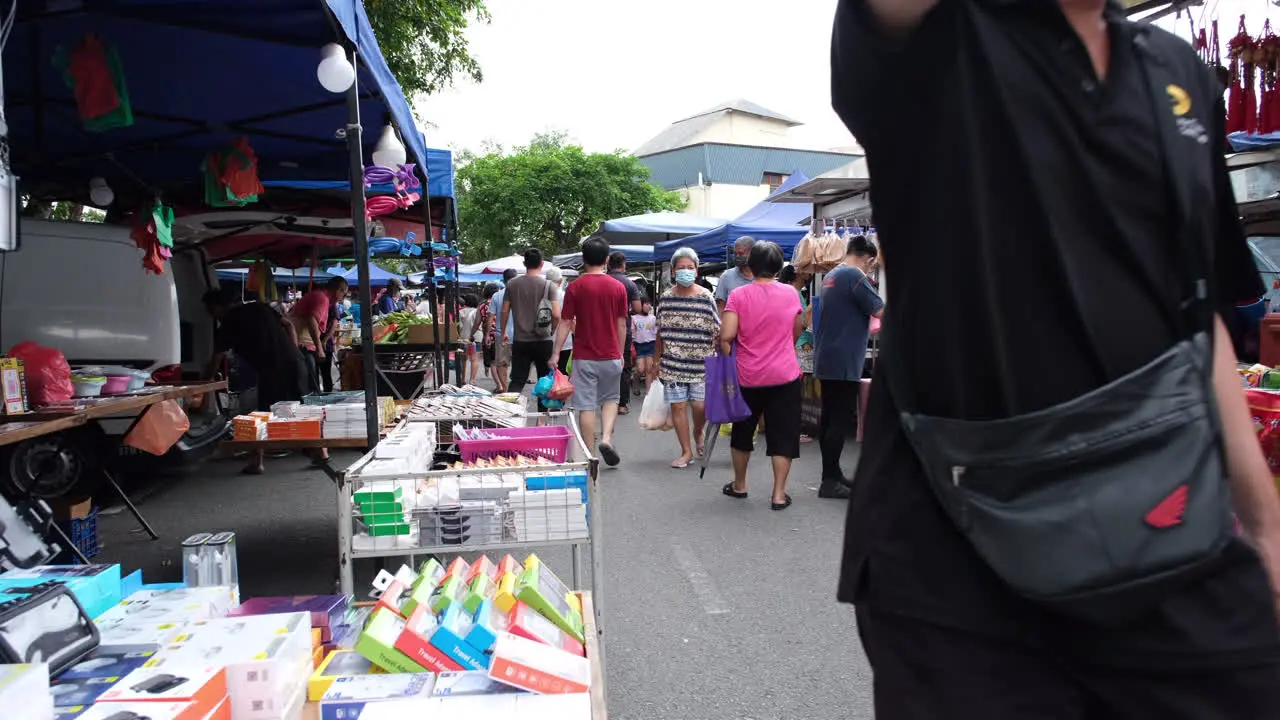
688, 322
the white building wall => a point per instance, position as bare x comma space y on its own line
722, 200
740, 129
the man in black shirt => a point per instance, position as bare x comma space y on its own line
263, 339
1026, 128
618, 271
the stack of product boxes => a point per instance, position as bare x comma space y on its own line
251, 427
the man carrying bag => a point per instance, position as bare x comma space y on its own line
1041, 522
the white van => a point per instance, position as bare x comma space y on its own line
81, 288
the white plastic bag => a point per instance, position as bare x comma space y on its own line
655, 414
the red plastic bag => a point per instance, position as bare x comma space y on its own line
162, 425
561, 388
48, 373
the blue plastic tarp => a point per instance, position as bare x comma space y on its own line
775, 222
1244, 142
377, 276
301, 276
439, 178
652, 228
199, 74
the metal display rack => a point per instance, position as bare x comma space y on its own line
520, 520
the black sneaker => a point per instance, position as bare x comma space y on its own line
834, 490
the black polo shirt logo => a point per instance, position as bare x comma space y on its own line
1188, 127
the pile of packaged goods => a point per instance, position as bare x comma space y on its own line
328, 416
523, 498
474, 640
470, 407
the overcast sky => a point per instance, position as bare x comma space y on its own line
613, 74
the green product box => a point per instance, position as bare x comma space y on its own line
482, 588
388, 529
540, 589
429, 576
378, 643
381, 508
450, 592
361, 497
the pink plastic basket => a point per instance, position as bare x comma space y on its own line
551, 443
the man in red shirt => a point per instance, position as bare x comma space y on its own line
595, 311
310, 318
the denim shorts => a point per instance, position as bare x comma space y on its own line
678, 392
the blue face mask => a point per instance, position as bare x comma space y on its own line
685, 277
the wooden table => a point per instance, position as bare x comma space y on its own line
113, 405
358, 443
17, 428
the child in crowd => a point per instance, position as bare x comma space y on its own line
644, 331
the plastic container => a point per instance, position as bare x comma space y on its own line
137, 378
551, 443
83, 386
117, 384
83, 533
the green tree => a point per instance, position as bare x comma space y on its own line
424, 41
549, 194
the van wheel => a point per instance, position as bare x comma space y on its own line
45, 467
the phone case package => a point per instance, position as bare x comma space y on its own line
379, 643
347, 697
47, 625
27, 686
203, 686
415, 642
337, 664
538, 668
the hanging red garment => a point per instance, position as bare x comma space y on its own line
240, 171
95, 91
1242, 101
1267, 55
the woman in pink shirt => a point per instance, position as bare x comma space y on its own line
764, 318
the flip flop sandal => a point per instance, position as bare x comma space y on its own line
253, 471
781, 505
676, 464
728, 490
609, 455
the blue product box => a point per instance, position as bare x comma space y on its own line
131, 583
488, 623
111, 661
450, 639
559, 481
83, 691
96, 587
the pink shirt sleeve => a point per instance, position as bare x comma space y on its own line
314, 304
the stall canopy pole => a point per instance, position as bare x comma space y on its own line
437, 363
360, 227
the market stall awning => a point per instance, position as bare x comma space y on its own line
300, 276
636, 254
653, 228
377, 276
498, 266
439, 178
776, 222
199, 73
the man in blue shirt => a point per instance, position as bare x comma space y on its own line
502, 347
848, 301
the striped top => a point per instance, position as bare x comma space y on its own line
687, 327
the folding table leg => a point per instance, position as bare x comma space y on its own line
129, 504
68, 544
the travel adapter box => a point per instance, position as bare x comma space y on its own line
430, 575
471, 682
541, 590
201, 685
529, 623
538, 668
430, 572
505, 598
27, 686
267, 657
150, 710
484, 566
487, 624
459, 568
415, 641
80, 691
111, 661
450, 638
480, 589
453, 591
347, 697
379, 643
97, 587
337, 664
509, 564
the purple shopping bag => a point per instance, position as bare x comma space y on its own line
724, 396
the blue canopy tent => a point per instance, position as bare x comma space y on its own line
776, 222
286, 276
653, 228
377, 276
439, 178
636, 255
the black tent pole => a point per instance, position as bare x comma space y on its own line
432, 290
360, 230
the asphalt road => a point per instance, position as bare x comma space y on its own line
714, 608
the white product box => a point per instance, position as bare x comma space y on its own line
180, 605
151, 710
576, 706
27, 687
140, 633
348, 696
267, 659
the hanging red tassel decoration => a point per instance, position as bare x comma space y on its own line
1267, 55
1242, 101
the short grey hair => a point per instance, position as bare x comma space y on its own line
554, 275
746, 242
685, 252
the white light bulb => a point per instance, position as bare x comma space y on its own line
334, 71
389, 152
100, 192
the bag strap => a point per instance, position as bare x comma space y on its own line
1195, 312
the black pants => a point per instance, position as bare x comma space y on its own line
536, 353
928, 672
839, 420
312, 376
779, 405
325, 368
628, 367
562, 362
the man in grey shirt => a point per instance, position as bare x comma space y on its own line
738, 275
